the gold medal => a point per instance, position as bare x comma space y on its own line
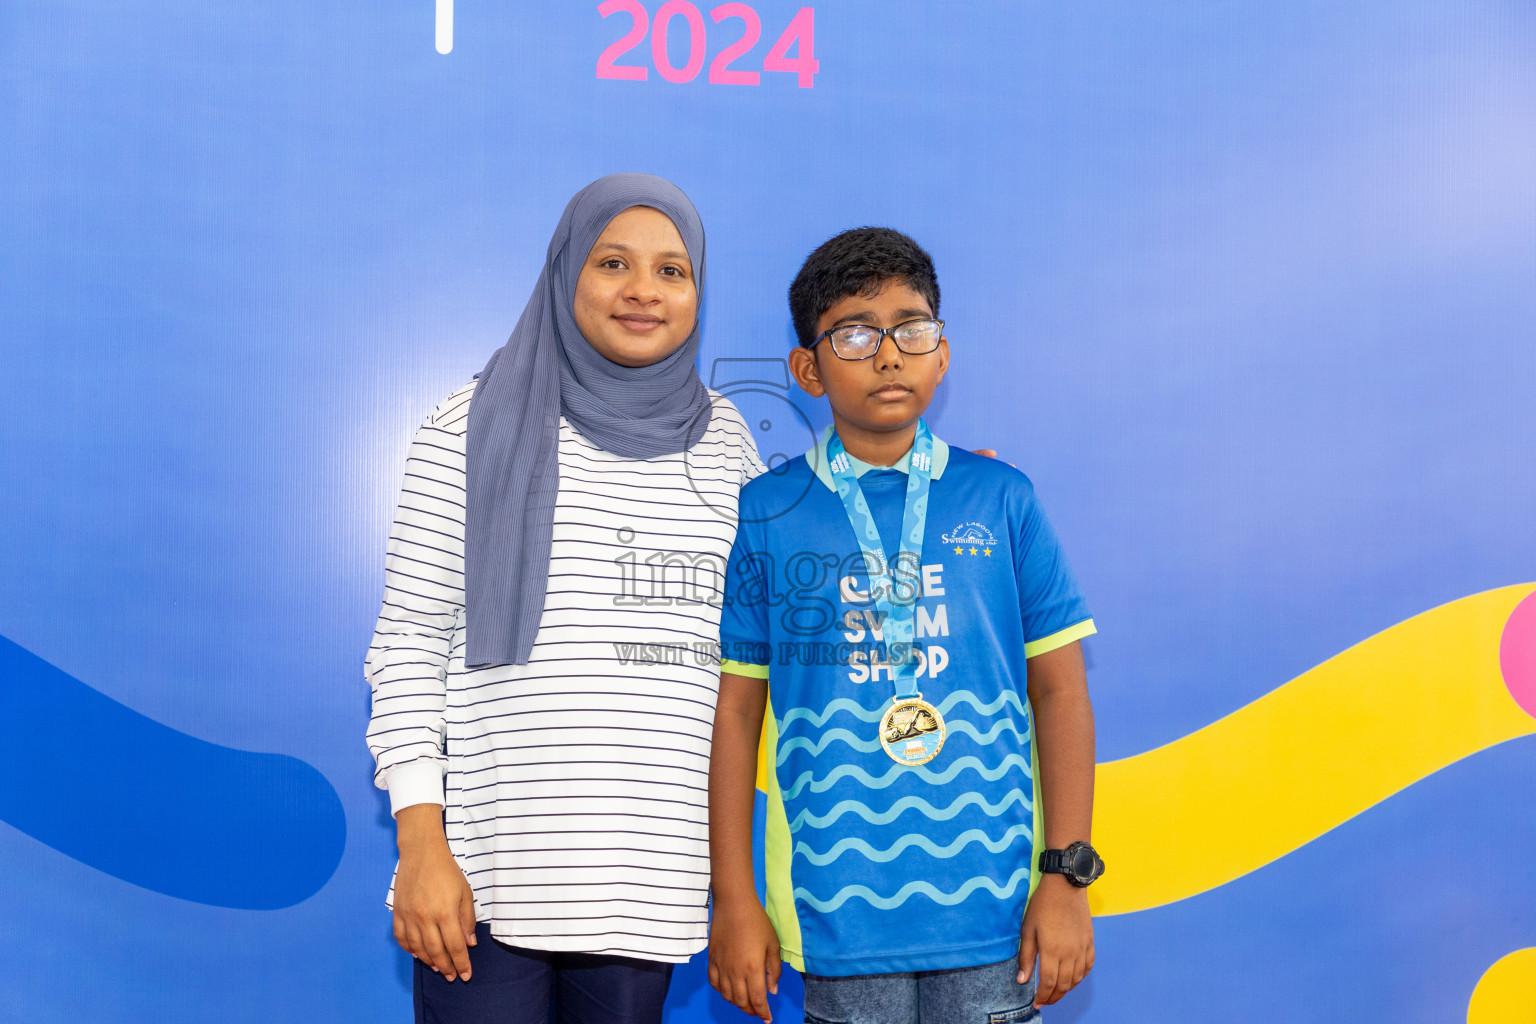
912, 731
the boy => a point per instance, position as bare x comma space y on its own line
891, 619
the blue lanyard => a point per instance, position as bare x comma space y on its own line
895, 600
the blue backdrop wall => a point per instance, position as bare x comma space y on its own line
1248, 289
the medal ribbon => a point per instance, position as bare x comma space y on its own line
897, 609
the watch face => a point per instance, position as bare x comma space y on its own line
1083, 863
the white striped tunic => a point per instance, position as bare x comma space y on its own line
576, 785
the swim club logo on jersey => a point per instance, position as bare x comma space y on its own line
971, 539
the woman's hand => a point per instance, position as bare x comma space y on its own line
743, 950
434, 904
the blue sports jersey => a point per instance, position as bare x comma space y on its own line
874, 867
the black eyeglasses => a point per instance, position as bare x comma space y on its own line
861, 341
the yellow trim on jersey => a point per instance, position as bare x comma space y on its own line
742, 668
1037, 825
1060, 638
777, 849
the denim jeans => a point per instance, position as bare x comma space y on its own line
969, 995
508, 985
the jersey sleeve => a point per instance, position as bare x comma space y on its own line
744, 640
1051, 605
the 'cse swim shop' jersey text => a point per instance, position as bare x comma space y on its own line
874, 867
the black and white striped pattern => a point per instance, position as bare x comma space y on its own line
576, 785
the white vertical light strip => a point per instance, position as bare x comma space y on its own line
444, 25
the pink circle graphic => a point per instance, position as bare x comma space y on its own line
1517, 654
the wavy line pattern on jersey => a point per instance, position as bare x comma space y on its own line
961, 727
1248, 789
964, 728
852, 707
989, 708
786, 747
819, 718
911, 839
911, 889
927, 774
907, 803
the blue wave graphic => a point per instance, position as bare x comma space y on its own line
954, 768
201, 822
991, 708
817, 746
907, 803
890, 853
909, 890
964, 728
869, 746
819, 718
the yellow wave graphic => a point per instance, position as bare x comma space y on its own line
1274, 775
1506, 993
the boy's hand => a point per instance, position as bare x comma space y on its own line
1057, 925
743, 948
434, 904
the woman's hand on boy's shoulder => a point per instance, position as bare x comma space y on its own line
744, 957
1059, 928
990, 453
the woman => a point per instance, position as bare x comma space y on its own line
571, 507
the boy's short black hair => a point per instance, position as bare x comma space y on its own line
858, 262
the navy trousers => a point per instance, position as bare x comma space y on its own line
509, 985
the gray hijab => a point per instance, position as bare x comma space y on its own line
547, 369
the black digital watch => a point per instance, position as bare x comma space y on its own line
1080, 862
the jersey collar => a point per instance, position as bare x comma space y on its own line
816, 458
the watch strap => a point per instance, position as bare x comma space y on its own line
1060, 862
1053, 862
